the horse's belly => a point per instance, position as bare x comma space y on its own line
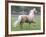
26, 18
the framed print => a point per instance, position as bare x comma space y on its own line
24, 18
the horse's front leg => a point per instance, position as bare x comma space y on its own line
33, 21
29, 25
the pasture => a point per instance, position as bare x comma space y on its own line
26, 26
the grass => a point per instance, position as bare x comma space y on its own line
26, 26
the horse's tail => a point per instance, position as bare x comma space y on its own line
18, 21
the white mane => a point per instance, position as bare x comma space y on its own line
32, 11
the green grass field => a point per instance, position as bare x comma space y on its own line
26, 26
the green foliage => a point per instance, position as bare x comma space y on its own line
16, 8
23, 8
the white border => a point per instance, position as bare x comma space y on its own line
23, 32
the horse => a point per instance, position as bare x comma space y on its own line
26, 18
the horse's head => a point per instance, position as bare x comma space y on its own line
34, 9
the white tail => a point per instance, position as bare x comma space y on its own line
18, 21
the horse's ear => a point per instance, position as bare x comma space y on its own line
34, 8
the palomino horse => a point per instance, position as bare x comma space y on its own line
26, 18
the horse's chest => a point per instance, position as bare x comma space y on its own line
30, 18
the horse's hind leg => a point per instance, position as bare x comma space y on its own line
29, 25
21, 27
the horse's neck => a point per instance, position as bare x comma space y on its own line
31, 13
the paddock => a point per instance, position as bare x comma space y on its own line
26, 26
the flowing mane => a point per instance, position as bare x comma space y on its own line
32, 11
